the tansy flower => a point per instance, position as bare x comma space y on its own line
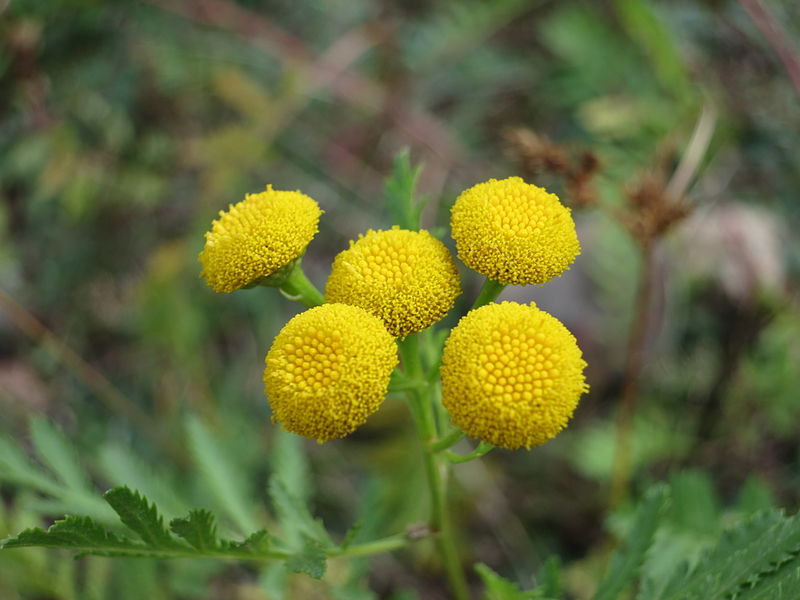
256, 237
328, 370
511, 375
513, 232
406, 278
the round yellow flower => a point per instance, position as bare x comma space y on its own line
256, 237
513, 232
511, 375
328, 370
406, 278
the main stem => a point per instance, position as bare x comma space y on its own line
436, 469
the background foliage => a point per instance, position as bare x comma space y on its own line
126, 125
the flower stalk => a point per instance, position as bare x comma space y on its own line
436, 468
298, 287
489, 292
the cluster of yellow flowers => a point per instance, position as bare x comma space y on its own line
511, 374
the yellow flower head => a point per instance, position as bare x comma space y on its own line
406, 278
328, 370
256, 237
511, 375
513, 232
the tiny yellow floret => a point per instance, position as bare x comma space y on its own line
256, 237
408, 279
512, 375
328, 370
513, 232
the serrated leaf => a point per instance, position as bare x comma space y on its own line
70, 532
744, 554
85, 536
294, 514
142, 517
198, 529
400, 192
311, 560
497, 587
258, 542
626, 563
782, 584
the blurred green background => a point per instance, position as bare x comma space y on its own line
125, 126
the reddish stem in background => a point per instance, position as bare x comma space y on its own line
776, 37
621, 476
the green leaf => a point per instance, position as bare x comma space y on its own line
694, 504
744, 554
80, 533
626, 563
58, 454
644, 26
198, 529
120, 466
310, 560
497, 587
87, 537
16, 468
404, 208
289, 464
500, 588
782, 584
351, 534
258, 542
754, 496
142, 517
294, 514
549, 578
221, 475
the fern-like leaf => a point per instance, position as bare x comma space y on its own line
198, 529
744, 555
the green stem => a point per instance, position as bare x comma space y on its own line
298, 287
379, 546
388, 544
436, 469
489, 292
483, 448
451, 439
